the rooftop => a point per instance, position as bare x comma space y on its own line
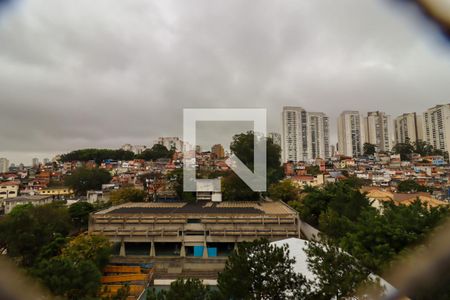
203, 207
27, 198
9, 183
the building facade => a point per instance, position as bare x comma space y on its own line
4, 165
408, 127
305, 135
436, 126
22, 200
318, 135
178, 229
378, 130
218, 151
9, 190
56, 191
350, 134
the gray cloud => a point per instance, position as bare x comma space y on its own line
77, 74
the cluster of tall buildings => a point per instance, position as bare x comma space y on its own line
306, 134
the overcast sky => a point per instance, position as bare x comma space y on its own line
77, 74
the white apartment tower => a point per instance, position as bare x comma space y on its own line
305, 134
318, 135
378, 130
408, 127
4, 165
436, 125
350, 134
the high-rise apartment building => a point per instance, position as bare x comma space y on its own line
378, 130
35, 162
4, 165
350, 134
305, 134
318, 135
408, 127
436, 124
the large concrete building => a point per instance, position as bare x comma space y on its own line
408, 127
305, 135
350, 134
436, 124
378, 130
184, 229
10, 203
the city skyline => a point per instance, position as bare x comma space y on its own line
208, 133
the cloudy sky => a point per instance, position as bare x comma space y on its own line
76, 74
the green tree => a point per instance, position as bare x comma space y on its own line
338, 275
27, 229
342, 197
355, 182
377, 238
313, 170
369, 149
79, 213
423, 148
235, 189
52, 249
243, 147
258, 270
410, 186
82, 179
88, 247
284, 190
333, 224
97, 155
71, 279
156, 152
405, 150
186, 289
125, 195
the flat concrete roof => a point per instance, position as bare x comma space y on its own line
201, 207
28, 198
